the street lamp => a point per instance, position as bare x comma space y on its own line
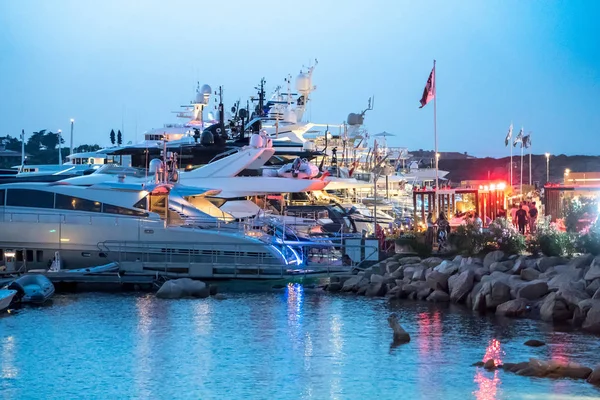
547, 167
72, 122
59, 147
567, 172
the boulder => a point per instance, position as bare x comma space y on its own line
409, 260
502, 266
533, 290
571, 295
170, 290
398, 273
362, 290
432, 262
352, 284
593, 286
582, 261
513, 308
220, 296
515, 367
500, 293
376, 278
546, 262
437, 281
534, 343
492, 257
375, 289
479, 294
592, 319
480, 272
409, 270
478, 364
554, 310
596, 295
461, 286
183, 287
594, 377
334, 287
565, 279
529, 274
391, 266
394, 293
423, 293
490, 364
419, 274
400, 335
594, 271
518, 266
438, 296
447, 267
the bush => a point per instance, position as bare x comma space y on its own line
579, 212
550, 241
589, 242
506, 237
467, 239
417, 242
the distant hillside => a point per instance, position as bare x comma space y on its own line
498, 168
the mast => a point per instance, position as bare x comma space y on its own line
22, 148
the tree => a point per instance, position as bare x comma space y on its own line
112, 137
119, 138
34, 143
11, 143
86, 148
50, 140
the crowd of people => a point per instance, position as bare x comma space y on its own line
524, 217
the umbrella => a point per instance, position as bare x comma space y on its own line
384, 134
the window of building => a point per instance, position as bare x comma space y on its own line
30, 198
39, 256
2, 197
77, 204
29, 255
19, 255
110, 209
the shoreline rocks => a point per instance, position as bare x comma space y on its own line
553, 289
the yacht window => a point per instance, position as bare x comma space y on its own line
29, 255
39, 255
142, 204
77, 204
19, 255
1, 197
30, 198
110, 209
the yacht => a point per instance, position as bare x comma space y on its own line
151, 226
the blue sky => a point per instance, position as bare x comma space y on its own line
107, 63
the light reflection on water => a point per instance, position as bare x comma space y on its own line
293, 343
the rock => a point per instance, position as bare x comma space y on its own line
533, 290
480, 273
594, 271
447, 267
573, 371
478, 364
398, 273
596, 295
490, 365
437, 281
183, 287
518, 266
392, 266
362, 290
419, 274
479, 296
424, 293
593, 286
554, 310
409, 270
571, 295
581, 261
513, 308
592, 319
492, 257
376, 289
351, 284
394, 293
566, 278
499, 294
220, 296
409, 260
334, 287
461, 286
534, 343
501, 266
546, 262
214, 289
529, 274
515, 367
376, 278
594, 377
431, 262
170, 290
438, 296
400, 335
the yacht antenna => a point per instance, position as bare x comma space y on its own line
221, 111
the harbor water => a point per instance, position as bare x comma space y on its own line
292, 343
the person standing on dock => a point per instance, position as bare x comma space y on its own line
533, 214
521, 219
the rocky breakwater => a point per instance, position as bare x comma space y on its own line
553, 289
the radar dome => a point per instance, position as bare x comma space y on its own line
205, 89
355, 119
303, 83
203, 94
155, 166
207, 139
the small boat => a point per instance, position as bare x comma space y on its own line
6, 297
32, 288
110, 267
300, 168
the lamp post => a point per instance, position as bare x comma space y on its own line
567, 172
547, 167
72, 122
59, 147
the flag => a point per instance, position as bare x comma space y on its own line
519, 139
429, 91
527, 141
508, 135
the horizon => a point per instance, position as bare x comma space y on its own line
119, 66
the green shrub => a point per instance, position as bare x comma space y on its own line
552, 242
589, 242
577, 210
467, 239
506, 237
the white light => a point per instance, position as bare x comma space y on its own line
72, 120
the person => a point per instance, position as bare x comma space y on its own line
513, 214
443, 230
533, 214
478, 223
429, 234
521, 219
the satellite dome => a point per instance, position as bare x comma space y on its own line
203, 94
303, 83
355, 119
205, 89
207, 139
155, 166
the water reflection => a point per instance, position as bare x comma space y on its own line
429, 344
488, 386
9, 369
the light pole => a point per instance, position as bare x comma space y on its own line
567, 172
547, 167
59, 147
72, 122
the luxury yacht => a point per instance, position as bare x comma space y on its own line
152, 225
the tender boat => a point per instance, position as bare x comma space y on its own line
34, 288
6, 298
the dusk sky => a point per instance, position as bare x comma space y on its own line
535, 63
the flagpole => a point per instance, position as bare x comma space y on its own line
529, 143
437, 183
22, 148
511, 164
521, 169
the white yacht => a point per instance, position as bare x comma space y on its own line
151, 226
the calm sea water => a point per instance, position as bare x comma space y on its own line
287, 344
